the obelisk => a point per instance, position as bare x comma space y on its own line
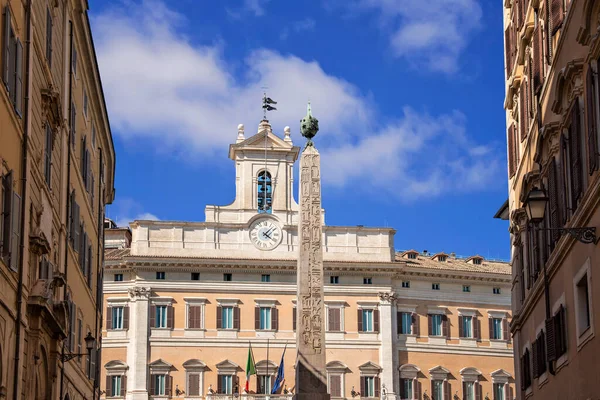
311, 376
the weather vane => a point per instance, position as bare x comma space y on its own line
266, 105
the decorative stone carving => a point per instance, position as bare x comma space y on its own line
388, 297
141, 292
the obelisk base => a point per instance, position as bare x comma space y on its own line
310, 384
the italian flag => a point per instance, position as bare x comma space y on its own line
250, 367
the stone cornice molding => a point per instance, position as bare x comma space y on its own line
531, 179
569, 84
454, 276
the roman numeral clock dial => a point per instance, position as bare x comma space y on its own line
265, 234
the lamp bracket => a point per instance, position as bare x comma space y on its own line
584, 235
68, 357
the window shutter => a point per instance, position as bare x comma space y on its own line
219, 317
562, 171
477, 388
193, 385
376, 320
491, 326
191, 319
18, 99
90, 264
219, 384
6, 45
592, 130
523, 111
476, 328
505, 332
256, 318
398, 322
125, 317
447, 390
534, 354
170, 317
537, 59
294, 318
509, 390
73, 327
7, 207
168, 385
123, 385
415, 324
330, 319
153, 384
508, 50
274, 318
109, 317
363, 386
511, 152
335, 386
49, 37
16, 233
236, 318
575, 152
461, 332
417, 389
464, 385
430, 324
152, 316
557, 12
338, 318
377, 387
553, 201
446, 326
108, 386
360, 322
73, 123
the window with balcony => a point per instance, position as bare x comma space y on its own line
116, 380
225, 384
194, 370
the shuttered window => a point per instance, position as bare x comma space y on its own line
557, 12
48, 155
334, 319
12, 62
575, 153
592, 120
194, 317
513, 151
335, 385
49, 37
538, 59
193, 385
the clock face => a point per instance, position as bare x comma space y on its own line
265, 234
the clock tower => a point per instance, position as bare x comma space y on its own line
264, 179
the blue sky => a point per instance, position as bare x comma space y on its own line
409, 96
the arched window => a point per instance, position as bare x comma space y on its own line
265, 192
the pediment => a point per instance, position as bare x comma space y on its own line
115, 364
369, 367
470, 371
227, 365
264, 366
439, 370
258, 140
160, 364
409, 367
500, 373
194, 363
336, 366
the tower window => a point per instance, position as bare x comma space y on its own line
265, 192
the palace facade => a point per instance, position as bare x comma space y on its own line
552, 53
56, 175
184, 301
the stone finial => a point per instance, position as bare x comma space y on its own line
286, 133
240, 137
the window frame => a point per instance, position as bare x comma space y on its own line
406, 284
583, 335
367, 280
265, 278
334, 280
161, 275
118, 278
435, 286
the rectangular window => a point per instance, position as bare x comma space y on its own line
160, 275
469, 391
436, 325
49, 37
48, 155
467, 326
435, 286
118, 277
334, 280
227, 318
498, 391
227, 277
412, 256
195, 276
265, 278
583, 305
161, 317
496, 290
369, 387
160, 385
117, 317
466, 288
74, 59
85, 102
406, 284
194, 316
367, 281
335, 385
93, 136
265, 318
264, 384
540, 352
334, 323
73, 123
437, 387
116, 386
226, 384
367, 317
406, 389
560, 332
406, 323
12, 67
496, 332
79, 337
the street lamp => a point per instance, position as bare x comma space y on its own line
535, 206
90, 341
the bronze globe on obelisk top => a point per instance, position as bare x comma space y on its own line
309, 126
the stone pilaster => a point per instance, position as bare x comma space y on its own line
137, 349
388, 356
311, 375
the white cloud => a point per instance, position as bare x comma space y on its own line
186, 97
254, 7
126, 210
430, 34
304, 25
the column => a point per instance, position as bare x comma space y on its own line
388, 355
137, 349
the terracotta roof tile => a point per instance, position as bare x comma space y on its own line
116, 254
457, 264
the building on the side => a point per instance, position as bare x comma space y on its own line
185, 300
552, 49
56, 171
